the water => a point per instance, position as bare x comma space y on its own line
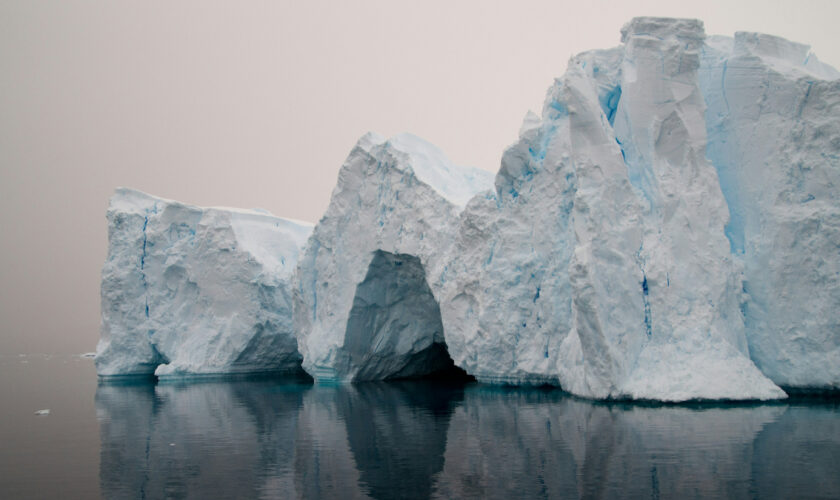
288, 439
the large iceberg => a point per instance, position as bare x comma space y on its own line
364, 305
667, 228
599, 262
196, 291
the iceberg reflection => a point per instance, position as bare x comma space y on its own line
424, 439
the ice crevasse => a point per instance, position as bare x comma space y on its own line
667, 228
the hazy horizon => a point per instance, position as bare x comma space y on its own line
256, 105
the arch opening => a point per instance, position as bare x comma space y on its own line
394, 330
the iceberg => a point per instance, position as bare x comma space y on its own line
667, 228
600, 262
365, 307
189, 291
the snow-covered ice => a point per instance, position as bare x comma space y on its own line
599, 262
666, 228
364, 305
194, 291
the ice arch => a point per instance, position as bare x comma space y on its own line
366, 300
394, 329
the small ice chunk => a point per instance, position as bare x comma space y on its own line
43, 412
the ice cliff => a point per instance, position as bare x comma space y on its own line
773, 122
667, 228
196, 291
365, 308
599, 262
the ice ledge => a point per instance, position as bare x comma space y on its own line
783, 55
134, 201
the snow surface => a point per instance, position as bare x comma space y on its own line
196, 291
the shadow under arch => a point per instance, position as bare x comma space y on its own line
394, 330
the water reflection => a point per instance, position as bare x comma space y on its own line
197, 441
799, 452
274, 439
545, 445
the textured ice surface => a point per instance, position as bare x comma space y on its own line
364, 305
667, 228
599, 262
192, 291
773, 121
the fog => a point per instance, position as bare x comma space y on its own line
257, 104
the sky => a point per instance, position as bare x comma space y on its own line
256, 104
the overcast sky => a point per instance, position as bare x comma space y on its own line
256, 104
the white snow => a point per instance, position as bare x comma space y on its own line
456, 184
195, 291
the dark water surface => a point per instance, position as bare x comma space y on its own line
291, 439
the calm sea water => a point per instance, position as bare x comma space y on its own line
288, 439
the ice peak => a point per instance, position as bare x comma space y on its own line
662, 28
456, 184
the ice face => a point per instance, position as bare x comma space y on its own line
195, 291
600, 262
667, 228
365, 308
774, 138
